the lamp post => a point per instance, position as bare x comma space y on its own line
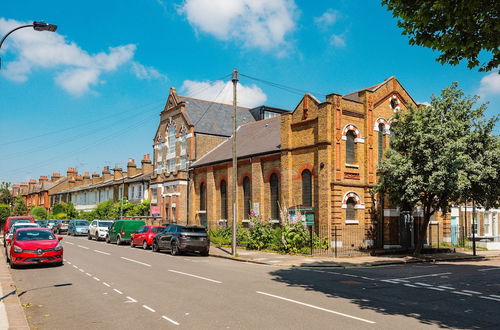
37, 26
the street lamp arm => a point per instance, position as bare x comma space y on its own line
17, 28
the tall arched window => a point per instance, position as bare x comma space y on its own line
275, 196
183, 154
350, 149
247, 197
223, 200
381, 128
306, 188
350, 212
171, 138
203, 205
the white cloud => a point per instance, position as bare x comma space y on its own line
260, 24
146, 72
221, 91
328, 18
490, 84
337, 41
77, 70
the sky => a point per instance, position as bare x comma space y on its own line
89, 95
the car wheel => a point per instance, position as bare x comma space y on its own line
107, 239
155, 247
89, 237
58, 264
119, 241
145, 245
174, 249
204, 253
11, 264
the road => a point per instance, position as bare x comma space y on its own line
104, 286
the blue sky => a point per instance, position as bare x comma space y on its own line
90, 95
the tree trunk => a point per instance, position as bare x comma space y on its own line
422, 233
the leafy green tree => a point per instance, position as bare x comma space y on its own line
460, 29
71, 211
4, 213
20, 207
59, 208
140, 209
39, 213
429, 162
5, 194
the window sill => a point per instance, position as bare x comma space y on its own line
352, 222
351, 165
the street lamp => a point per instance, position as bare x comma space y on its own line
37, 26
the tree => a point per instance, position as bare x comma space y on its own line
39, 213
460, 29
71, 211
5, 194
4, 213
429, 161
59, 208
20, 207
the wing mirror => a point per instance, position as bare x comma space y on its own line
59, 238
8, 240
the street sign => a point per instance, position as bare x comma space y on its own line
309, 219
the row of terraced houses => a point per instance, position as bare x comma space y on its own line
320, 158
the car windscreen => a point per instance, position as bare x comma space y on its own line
13, 221
34, 235
24, 225
105, 223
81, 223
157, 229
192, 229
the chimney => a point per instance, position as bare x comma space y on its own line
24, 188
86, 178
106, 174
95, 178
147, 167
71, 172
78, 180
118, 173
43, 179
71, 181
131, 167
55, 176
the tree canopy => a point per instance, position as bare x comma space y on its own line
20, 207
459, 30
5, 194
438, 154
39, 213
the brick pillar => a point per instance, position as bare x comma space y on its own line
212, 216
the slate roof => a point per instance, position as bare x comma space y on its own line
257, 138
139, 178
214, 118
354, 96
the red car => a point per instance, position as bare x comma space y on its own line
144, 236
30, 246
12, 220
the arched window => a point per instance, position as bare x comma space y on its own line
350, 212
223, 200
275, 196
203, 205
247, 197
350, 150
171, 139
306, 188
381, 128
183, 154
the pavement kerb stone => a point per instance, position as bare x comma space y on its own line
240, 259
15, 313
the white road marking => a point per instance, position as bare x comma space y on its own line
200, 277
75, 266
391, 281
169, 320
138, 262
95, 278
131, 299
488, 269
69, 243
118, 291
420, 276
446, 287
490, 298
148, 308
83, 247
106, 253
423, 284
69, 263
433, 288
315, 307
88, 274
492, 295
410, 285
473, 292
403, 281
106, 284
81, 270
368, 278
462, 293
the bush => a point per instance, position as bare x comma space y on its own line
260, 235
4, 213
39, 213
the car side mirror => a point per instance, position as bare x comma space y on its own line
8, 240
59, 238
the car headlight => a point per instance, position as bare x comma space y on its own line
17, 249
58, 247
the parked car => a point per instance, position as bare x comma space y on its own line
12, 220
16, 226
144, 236
31, 246
121, 230
98, 229
61, 226
180, 239
42, 223
78, 227
51, 223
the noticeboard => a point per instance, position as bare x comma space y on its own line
309, 219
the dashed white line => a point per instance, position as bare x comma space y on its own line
106, 284
170, 320
75, 266
316, 307
95, 278
102, 252
391, 281
410, 285
131, 299
138, 262
488, 269
492, 295
423, 284
88, 274
83, 247
473, 292
462, 293
69, 262
200, 277
433, 288
81, 270
69, 243
490, 298
148, 308
420, 276
446, 287
118, 291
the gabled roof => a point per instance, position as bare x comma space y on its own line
257, 138
354, 96
214, 118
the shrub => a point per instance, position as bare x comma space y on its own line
260, 235
39, 213
4, 213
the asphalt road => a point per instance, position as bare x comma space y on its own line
104, 286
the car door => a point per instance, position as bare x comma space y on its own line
162, 241
139, 234
92, 228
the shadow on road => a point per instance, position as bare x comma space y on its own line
444, 309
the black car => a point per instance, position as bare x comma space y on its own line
180, 239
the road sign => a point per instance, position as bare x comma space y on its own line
309, 219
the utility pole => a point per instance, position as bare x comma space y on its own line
474, 227
235, 163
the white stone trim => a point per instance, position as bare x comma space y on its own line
336, 243
174, 183
359, 140
352, 222
359, 206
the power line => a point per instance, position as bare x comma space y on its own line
283, 87
208, 108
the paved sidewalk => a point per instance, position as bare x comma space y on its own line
11, 312
277, 259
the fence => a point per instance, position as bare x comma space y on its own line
345, 241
